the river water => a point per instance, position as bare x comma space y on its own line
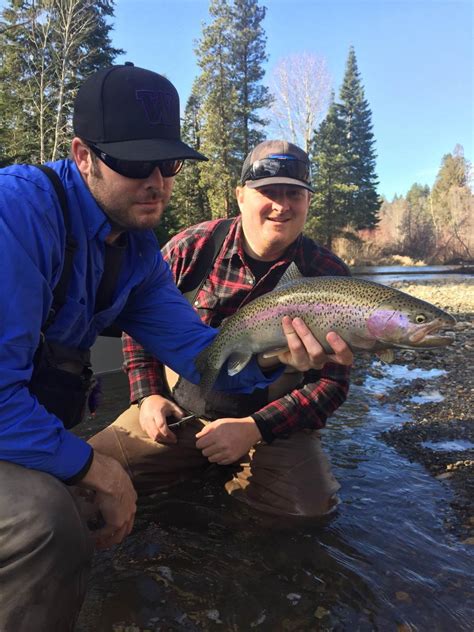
198, 561
413, 274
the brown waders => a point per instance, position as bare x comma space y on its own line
289, 477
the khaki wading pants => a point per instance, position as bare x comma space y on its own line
289, 477
45, 552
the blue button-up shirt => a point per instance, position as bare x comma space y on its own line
146, 305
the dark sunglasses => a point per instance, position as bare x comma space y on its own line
138, 169
278, 165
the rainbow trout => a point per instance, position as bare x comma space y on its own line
367, 315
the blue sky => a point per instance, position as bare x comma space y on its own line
415, 59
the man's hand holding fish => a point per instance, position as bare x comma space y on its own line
304, 351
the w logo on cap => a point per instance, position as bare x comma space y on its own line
159, 106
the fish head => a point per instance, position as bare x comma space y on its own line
407, 322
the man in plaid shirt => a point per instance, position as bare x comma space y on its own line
272, 434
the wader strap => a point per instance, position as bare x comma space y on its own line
60, 291
106, 290
111, 264
207, 256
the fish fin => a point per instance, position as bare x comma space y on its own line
271, 353
386, 355
292, 273
359, 342
237, 361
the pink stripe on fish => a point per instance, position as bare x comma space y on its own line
284, 310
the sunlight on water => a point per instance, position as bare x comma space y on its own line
386, 376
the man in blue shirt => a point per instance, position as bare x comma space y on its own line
125, 154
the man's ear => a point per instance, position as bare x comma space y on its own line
239, 194
81, 154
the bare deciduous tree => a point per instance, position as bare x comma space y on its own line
301, 86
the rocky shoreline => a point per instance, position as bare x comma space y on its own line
450, 420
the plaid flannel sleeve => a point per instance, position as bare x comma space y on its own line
143, 370
307, 407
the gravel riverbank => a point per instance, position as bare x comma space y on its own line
450, 420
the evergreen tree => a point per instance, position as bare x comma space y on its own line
230, 55
47, 48
189, 204
361, 202
248, 54
218, 109
327, 217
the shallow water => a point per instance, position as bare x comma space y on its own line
459, 445
198, 561
389, 274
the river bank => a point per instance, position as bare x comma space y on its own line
448, 419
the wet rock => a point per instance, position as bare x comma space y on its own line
213, 615
321, 612
446, 475
402, 596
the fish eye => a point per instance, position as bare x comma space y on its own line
420, 318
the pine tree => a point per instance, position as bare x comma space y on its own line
248, 53
47, 48
230, 55
362, 202
189, 204
327, 217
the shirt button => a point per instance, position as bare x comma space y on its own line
196, 303
252, 281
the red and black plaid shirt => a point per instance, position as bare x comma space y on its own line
229, 286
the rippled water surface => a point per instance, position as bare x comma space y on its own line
199, 561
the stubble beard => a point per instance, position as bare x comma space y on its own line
119, 215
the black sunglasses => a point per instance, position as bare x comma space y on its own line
138, 169
278, 165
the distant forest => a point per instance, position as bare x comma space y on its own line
48, 47
426, 226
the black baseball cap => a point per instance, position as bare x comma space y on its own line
131, 114
276, 162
